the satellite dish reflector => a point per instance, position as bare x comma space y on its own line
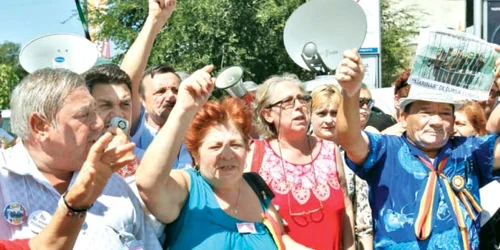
327, 27
59, 51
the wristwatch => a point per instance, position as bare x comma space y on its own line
72, 212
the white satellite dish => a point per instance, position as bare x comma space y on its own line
327, 27
67, 51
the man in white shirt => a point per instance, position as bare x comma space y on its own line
57, 125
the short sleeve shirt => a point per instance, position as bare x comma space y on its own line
115, 221
397, 178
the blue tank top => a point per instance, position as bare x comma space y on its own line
202, 224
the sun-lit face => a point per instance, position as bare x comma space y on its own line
113, 100
78, 128
289, 112
428, 124
463, 127
323, 121
365, 108
222, 154
160, 94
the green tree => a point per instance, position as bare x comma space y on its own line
9, 55
399, 25
8, 79
10, 71
242, 32
222, 32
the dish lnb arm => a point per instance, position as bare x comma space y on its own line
313, 59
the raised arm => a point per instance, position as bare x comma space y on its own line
350, 74
136, 58
164, 191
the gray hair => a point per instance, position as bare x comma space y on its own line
42, 92
264, 97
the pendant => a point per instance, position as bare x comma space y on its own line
234, 210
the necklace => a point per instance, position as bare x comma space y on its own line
234, 208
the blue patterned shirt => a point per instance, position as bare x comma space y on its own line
397, 179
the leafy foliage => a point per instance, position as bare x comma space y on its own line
222, 32
8, 80
10, 71
399, 25
243, 32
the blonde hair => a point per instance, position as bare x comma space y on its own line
263, 98
324, 95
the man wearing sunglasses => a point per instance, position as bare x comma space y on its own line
424, 185
365, 105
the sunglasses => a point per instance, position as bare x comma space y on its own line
289, 102
366, 101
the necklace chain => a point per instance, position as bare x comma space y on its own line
234, 208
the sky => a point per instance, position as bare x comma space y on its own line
23, 20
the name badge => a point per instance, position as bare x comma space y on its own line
246, 228
38, 220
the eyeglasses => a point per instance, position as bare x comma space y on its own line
304, 217
289, 102
366, 101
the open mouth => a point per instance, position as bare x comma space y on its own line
228, 167
299, 118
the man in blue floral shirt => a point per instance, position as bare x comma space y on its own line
424, 185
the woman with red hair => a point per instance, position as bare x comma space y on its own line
213, 205
470, 120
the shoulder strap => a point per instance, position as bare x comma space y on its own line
258, 155
259, 186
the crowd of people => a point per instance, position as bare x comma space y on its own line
291, 170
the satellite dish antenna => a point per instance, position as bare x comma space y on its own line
318, 32
59, 51
231, 80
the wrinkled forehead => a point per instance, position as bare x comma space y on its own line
164, 80
286, 89
417, 106
222, 132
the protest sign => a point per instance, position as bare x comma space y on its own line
456, 62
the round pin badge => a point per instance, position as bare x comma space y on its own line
458, 182
15, 213
38, 220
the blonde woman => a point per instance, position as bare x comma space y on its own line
324, 105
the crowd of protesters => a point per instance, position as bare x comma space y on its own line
289, 170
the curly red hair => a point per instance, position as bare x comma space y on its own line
230, 110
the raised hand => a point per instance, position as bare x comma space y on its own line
161, 10
196, 89
350, 72
111, 152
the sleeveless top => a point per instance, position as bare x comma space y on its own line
309, 197
202, 224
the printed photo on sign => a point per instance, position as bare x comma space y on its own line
456, 62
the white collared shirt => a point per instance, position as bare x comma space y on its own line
115, 221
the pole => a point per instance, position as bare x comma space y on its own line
478, 17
